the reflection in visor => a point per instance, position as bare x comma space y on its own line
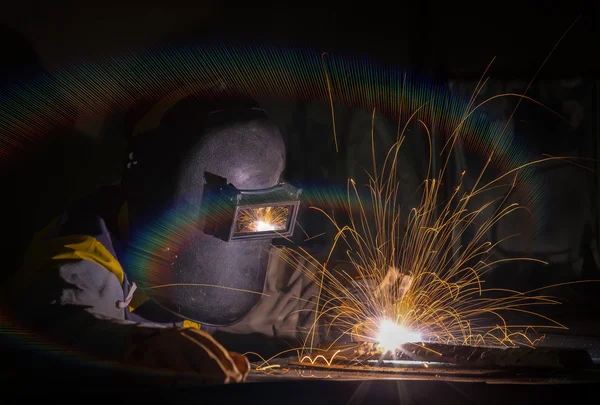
263, 219
232, 214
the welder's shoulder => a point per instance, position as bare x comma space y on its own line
74, 244
81, 284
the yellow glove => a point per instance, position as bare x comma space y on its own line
186, 350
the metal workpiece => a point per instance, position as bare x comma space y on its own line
428, 361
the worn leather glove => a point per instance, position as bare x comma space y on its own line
186, 350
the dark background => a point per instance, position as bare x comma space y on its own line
454, 39
450, 41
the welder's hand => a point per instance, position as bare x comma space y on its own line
186, 350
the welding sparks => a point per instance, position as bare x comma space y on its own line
392, 336
417, 270
262, 219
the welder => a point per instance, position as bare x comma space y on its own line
145, 272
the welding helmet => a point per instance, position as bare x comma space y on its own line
206, 197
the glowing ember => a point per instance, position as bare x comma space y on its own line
392, 336
262, 226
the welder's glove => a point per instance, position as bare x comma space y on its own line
186, 350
